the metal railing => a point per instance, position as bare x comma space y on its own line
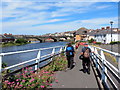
109, 74
37, 60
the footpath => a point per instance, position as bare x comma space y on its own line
75, 78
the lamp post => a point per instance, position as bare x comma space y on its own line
111, 22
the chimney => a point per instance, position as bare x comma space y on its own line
103, 28
108, 27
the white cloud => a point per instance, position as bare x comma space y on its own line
102, 7
66, 26
62, 0
25, 19
100, 21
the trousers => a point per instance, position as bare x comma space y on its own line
70, 61
86, 62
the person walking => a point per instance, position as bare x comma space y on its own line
85, 54
70, 55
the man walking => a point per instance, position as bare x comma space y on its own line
70, 55
86, 58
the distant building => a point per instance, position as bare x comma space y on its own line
104, 36
81, 34
91, 35
7, 38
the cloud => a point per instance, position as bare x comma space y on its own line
39, 18
60, 27
100, 21
62, 0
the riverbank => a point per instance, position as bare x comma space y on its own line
12, 44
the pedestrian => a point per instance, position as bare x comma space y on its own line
70, 55
85, 56
77, 45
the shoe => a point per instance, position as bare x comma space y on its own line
88, 72
67, 69
84, 71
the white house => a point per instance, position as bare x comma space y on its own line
104, 36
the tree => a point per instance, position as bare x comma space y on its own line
21, 40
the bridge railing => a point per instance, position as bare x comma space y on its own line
109, 74
37, 60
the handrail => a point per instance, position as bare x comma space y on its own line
9, 53
36, 59
113, 53
106, 66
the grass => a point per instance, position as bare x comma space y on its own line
12, 44
109, 55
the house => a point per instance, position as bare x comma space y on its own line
7, 38
81, 34
91, 34
104, 36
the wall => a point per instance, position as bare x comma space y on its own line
106, 38
78, 37
114, 38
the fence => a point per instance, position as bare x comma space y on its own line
109, 74
36, 60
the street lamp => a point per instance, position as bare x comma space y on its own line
111, 22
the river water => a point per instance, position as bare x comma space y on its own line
17, 58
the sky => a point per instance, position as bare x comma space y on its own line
35, 17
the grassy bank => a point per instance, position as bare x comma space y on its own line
17, 42
108, 55
43, 78
12, 44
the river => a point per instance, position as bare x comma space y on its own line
17, 58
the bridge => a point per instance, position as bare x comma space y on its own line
54, 38
103, 74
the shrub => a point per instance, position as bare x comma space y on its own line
41, 79
21, 40
91, 40
115, 42
98, 43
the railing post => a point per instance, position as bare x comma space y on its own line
65, 50
118, 60
0, 64
0, 70
104, 78
38, 58
53, 52
93, 48
93, 56
60, 51
97, 60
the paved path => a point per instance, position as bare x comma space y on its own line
75, 78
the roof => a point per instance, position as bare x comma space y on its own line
82, 31
92, 33
107, 31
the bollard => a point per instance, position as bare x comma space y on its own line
38, 59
